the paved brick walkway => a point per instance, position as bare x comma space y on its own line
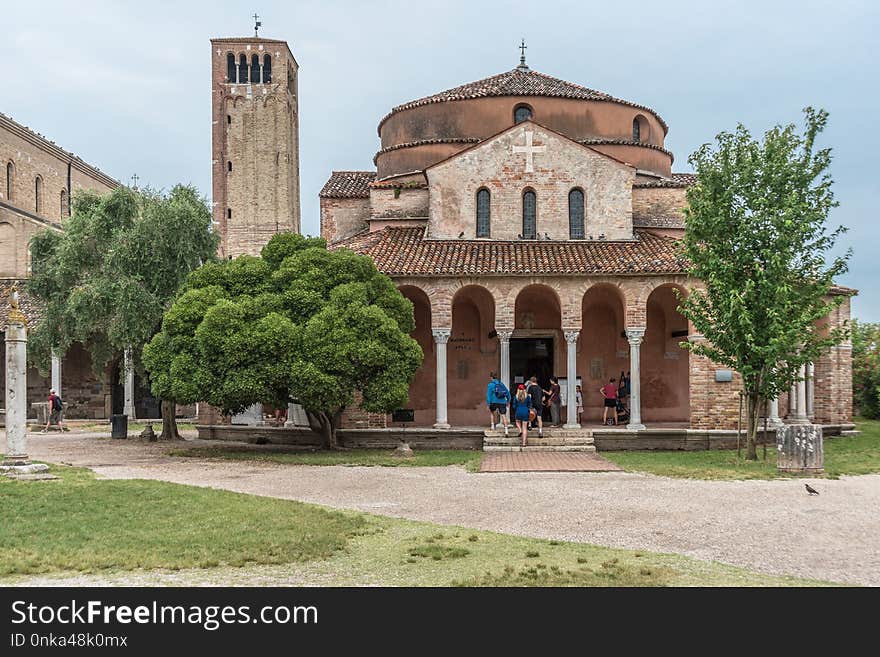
546, 462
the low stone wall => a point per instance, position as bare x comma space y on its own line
351, 438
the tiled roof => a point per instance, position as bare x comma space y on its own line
677, 180
519, 82
600, 141
27, 304
348, 184
405, 252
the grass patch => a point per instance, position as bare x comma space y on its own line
368, 457
844, 455
83, 524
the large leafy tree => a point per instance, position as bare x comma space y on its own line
107, 278
756, 236
866, 368
300, 323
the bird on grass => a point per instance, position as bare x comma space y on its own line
811, 490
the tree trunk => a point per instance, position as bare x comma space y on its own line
169, 423
325, 424
753, 405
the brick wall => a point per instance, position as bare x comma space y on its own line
666, 202
714, 405
343, 217
406, 204
607, 186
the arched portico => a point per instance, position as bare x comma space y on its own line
665, 366
421, 390
472, 353
604, 351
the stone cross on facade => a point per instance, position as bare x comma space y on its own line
529, 150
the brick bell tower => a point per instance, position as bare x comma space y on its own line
255, 142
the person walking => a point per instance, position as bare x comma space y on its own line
579, 402
56, 412
554, 400
522, 407
609, 394
497, 398
536, 393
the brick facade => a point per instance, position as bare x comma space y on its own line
255, 147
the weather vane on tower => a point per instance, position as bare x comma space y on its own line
257, 25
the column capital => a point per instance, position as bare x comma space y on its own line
635, 335
571, 336
441, 336
504, 334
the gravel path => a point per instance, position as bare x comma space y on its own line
768, 526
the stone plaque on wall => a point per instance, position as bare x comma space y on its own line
596, 368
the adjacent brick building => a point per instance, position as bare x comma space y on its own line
37, 179
534, 225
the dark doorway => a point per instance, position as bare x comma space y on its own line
531, 357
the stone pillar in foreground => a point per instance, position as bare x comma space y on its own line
810, 389
128, 373
17, 461
571, 338
799, 448
56, 375
441, 337
504, 341
800, 408
773, 419
635, 335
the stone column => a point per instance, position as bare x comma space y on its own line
635, 335
17, 460
810, 388
800, 414
252, 416
571, 338
441, 337
504, 341
296, 416
773, 414
56, 375
128, 373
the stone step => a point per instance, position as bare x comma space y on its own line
555, 441
539, 448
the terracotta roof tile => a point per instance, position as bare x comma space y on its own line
348, 184
677, 180
518, 82
404, 251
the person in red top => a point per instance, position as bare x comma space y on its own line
609, 392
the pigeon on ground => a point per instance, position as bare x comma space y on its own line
811, 491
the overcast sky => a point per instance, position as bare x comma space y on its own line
126, 85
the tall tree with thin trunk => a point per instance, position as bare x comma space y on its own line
107, 278
756, 236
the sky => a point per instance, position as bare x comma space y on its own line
127, 86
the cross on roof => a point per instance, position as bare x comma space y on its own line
522, 56
257, 25
134, 181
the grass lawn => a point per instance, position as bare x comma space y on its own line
470, 459
138, 426
844, 455
82, 524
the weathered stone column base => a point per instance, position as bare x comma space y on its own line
636, 427
9, 467
800, 449
441, 425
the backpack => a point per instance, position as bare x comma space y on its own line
57, 404
500, 391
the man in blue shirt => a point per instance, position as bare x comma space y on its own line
497, 399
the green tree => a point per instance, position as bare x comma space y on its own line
866, 368
300, 323
756, 237
107, 278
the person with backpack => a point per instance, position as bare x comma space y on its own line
56, 412
522, 409
534, 391
497, 399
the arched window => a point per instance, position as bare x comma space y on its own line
522, 113
530, 222
229, 213
483, 213
576, 214
637, 131
242, 69
10, 177
38, 195
228, 119
267, 69
255, 69
229, 165
230, 67
63, 203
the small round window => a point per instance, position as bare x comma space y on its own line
522, 113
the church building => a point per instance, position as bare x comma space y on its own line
534, 225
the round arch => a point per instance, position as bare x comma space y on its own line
472, 353
664, 362
422, 388
603, 348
